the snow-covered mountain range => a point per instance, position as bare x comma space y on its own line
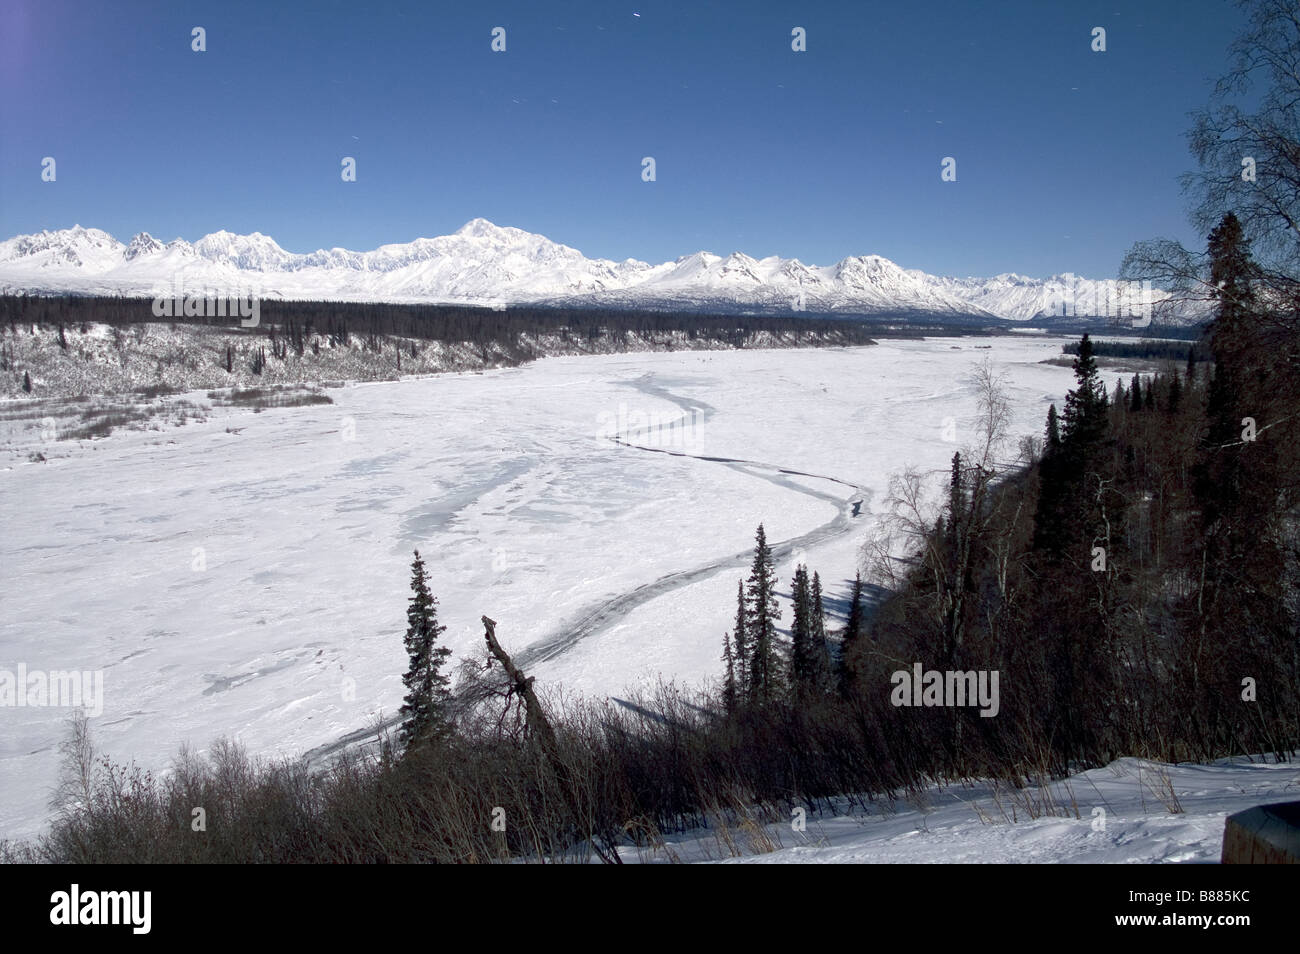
482, 263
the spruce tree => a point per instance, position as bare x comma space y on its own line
817, 638
1231, 270
1231, 274
740, 640
1053, 474
424, 711
1067, 508
1237, 482
1052, 438
1085, 406
729, 675
762, 612
1135, 390
810, 668
958, 509
849, 644
1073, 516
956, 501
800, 630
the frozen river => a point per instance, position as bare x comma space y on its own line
248, 576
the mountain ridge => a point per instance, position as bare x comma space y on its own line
482, 263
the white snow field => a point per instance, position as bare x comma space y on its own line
247, 576
1122, 813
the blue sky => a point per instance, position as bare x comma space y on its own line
1064, 156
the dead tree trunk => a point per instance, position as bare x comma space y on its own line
539, 727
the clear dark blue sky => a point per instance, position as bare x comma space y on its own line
1064, 156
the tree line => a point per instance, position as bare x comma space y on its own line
295, 322
1136, 583
1146, 348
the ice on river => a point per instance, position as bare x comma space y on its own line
247, 576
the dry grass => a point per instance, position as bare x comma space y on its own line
268, 397
1156, 781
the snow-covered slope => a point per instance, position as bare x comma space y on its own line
1019, 298
1130, 812
484, 263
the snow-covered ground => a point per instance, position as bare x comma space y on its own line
247, 576
1123, 813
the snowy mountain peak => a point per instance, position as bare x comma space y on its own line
482, 228
254, 252
73, 248
866, 268
142, 244
484, 263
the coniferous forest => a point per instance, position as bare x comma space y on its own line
298, 322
